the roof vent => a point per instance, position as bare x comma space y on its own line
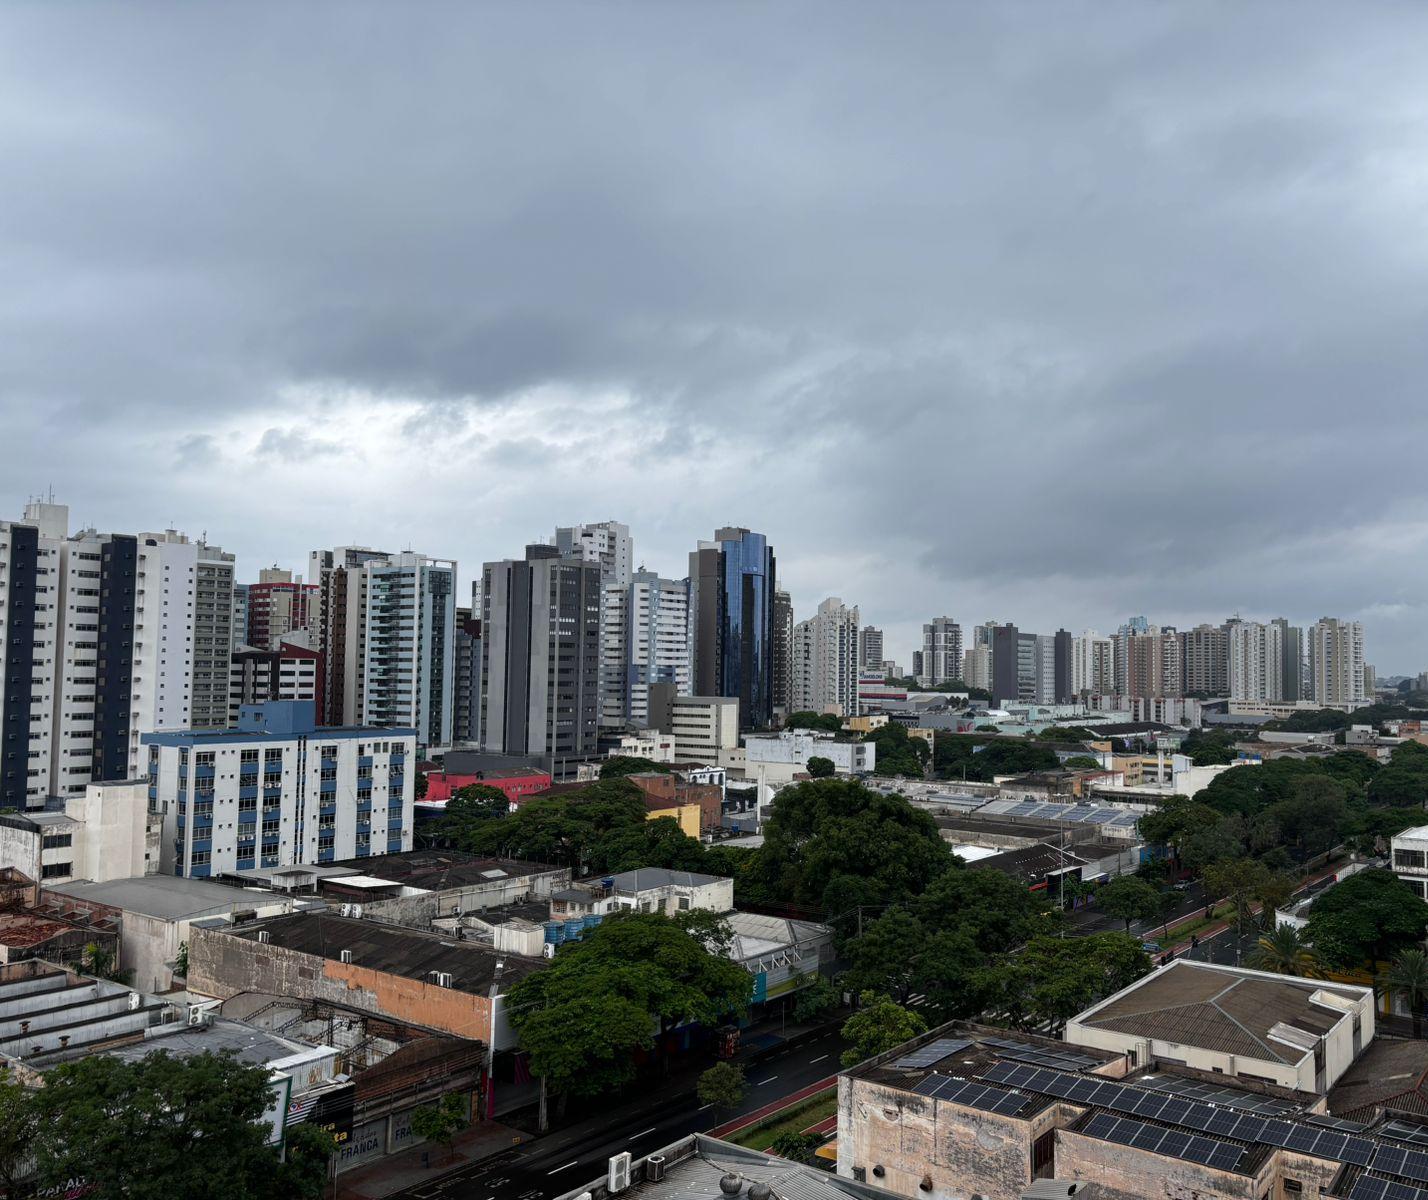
760, 1191
345, 955
731, 1184
264, 936
654, 1168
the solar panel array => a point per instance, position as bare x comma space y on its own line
1223, 1156
1045, 810
933, 1052
1193, 1114
1338, 1123
1040, 1055
1193, 1089
1405, 1131
1368, 1187
1400, 1160
972, 1094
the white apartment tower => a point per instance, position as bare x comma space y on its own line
1256, 662
941, 650
1336, 662
870, 652
825, 660
605, 542
644, 639
1093, 669
127, 634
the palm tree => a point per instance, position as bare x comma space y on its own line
1284, 951
1408, 976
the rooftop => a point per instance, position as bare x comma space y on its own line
1031, 864
1388, 1074
390, 949
1226, 1009
437, 870
169, 897
698, 1167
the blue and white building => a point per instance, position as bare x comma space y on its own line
279, 790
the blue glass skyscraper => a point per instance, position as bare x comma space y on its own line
732, 585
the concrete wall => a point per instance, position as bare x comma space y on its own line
417, 912
1124, 1173
222, 965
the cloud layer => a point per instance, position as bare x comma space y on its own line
1046, 315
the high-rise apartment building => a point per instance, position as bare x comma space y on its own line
291, 672
466, 687
1336, 662
540, 655
1205, 660
277, 606
825, 660
644, 640
106, 637
782, 644
410, 645
1147, 660
941, 650
1292, 675
278, 791
1256, 661
733, 584
341, 631
870, 648
1093, 669
605, 542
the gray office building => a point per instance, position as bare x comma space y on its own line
540, 656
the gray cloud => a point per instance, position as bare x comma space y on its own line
1050, 316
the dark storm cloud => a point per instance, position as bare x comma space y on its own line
1050, 314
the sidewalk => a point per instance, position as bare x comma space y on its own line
422, 1163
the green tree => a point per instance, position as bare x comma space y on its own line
878, 1026
162, 1126
582, 1018
1054, 978
824, 722
302, 1175
1082, 762
1205, 847
897, 752
1397, 786
562, 830
1239, 881
19, 1127
1370, 917
820, 767
657, 843
1285, 951
1129, 899
827, 829
885, 955
617, 766
466, 814
1408, 977
722, 1085
181, 962
422, 785
1313, 817
99, 962
814, 1002
440, 1122
996, 911
796, 1147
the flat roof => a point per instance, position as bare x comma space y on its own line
393, 950
1229, 1010
204, 737
437, 870
169, 897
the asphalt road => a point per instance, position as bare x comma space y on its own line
570, 1158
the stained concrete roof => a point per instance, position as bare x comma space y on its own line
168, 897
1222, 1009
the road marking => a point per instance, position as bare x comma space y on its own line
637, 1136
571, 1163
702, 1107
819, 1059
770, 1079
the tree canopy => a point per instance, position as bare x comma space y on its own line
980, 758
820, 767
826, 722
878, 1026
164, 1126
1370, 917
1053, 978
898, 753
833, 843
617, 766
583, 1017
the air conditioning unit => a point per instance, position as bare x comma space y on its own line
356, 910
135, 1000
619, 1177
548, 949
345, 910
264, 936
345, 955
197, 1017
443, 979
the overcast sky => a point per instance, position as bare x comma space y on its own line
1046, 313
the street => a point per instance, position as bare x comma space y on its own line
567, 1158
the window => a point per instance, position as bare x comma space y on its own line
56, 870
56, 841
1293, 1186
1410, 860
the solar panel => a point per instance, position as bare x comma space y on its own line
1171, 1143
1389, 1159
933, 1052
929, 1086
1339, 1123
1404, 1131
1210, 1093
972, 1094
1369, 1187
